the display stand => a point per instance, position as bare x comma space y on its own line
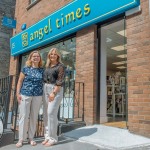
116, 98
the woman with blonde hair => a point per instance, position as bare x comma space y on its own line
53, 94
29, 95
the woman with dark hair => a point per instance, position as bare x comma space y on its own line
29, 95
53, 94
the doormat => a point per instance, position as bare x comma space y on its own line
120, 124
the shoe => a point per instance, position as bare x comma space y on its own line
19, 144
50, 143
45, 141
32, 143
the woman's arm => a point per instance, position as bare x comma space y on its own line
19, 85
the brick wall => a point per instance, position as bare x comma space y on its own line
39, 11
138, 53
86, 70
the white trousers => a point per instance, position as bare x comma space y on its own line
50, 112
29, 109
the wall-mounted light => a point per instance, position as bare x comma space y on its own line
23, 27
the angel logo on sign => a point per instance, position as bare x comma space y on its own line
25, 39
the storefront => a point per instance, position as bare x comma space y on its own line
95, 41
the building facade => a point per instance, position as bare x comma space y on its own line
7, 8
108, 52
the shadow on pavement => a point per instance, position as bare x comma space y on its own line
78, 133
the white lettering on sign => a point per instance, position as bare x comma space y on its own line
9, 21
13, 45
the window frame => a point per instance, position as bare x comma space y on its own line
32, 1
31, 4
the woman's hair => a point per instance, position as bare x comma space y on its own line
29, 62
48, 62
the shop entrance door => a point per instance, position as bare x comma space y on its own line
113, 72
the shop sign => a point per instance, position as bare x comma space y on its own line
67, 20
8, 22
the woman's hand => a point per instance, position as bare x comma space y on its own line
51, 97
19, 85
19, 98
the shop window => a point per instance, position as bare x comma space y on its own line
67, 48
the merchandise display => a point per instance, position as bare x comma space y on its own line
116, 95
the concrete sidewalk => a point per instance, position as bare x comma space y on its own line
64, 144
95, 137
109, 138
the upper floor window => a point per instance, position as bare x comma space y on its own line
32, 1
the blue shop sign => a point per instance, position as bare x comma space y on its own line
69, 19
8, 22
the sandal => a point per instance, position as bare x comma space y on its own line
50, 143
45, 141
19, 144
32, 143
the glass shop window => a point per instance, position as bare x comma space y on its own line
67, 49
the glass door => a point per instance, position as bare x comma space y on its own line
113, 70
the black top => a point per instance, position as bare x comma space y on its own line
55, 75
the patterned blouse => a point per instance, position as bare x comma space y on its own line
55, 75
33, 81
